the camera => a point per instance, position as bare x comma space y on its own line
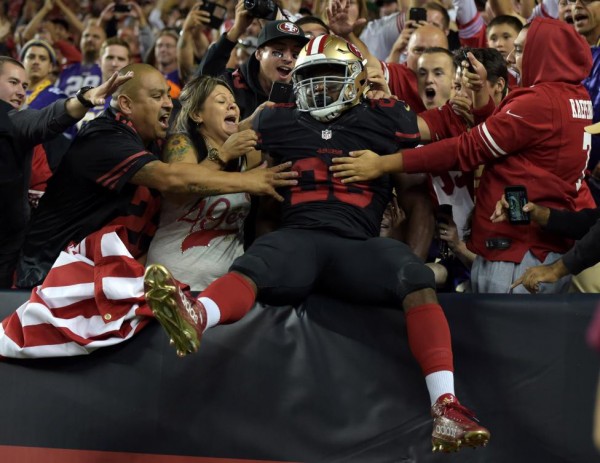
280, 92
417, 14
444, 216
262, 9
217, 13
464, 57
516, 196
122, 7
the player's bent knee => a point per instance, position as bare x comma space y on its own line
253, 268
414, 276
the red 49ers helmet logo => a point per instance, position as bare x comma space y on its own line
288, 28
354, 50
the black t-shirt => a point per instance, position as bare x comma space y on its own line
320, 201
90, 190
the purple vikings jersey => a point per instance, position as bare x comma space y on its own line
46, 97
78, 75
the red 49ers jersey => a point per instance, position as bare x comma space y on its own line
320, 201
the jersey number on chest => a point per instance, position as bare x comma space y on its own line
317, 184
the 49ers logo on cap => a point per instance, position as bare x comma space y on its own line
288, 28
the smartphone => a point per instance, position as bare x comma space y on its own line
216, 11
417, 14
516, 196
444, 213
464, 57
280, 93
122, 7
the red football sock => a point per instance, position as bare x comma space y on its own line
233, 295
429, 338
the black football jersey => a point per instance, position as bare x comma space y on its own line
90, 190
320, 201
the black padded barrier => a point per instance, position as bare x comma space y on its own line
325, 382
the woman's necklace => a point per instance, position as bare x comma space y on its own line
213, 154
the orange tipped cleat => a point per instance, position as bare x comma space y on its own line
455, 426
182, 316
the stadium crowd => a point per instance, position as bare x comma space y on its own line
130, 130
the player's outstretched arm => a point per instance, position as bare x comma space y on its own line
365, 165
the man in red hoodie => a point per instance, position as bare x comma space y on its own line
534, 138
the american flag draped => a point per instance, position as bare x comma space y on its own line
92, 297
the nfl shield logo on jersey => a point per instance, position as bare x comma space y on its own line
326, 134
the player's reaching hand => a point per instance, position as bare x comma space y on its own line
361, 166
263, 180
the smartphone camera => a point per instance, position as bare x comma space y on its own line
122, 7
516, 196
417, 14
464, 57
217, 13
262, 9
444, 216
280, 92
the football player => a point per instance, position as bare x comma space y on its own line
327, 225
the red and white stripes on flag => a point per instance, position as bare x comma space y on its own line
92, 297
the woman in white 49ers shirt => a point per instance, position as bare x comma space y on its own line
200, 234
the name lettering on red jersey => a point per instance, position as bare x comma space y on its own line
581, 109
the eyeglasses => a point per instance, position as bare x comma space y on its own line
583, 2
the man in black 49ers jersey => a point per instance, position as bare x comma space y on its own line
328, 240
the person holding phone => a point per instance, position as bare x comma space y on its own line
387, 36
278, 45
580, 225
535, 138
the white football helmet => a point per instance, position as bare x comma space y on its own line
329, 77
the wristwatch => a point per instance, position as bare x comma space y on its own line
82, 99
213, 155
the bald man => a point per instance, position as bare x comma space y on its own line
112, 175
88, 239
402, 78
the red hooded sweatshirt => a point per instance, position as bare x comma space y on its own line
534, 138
